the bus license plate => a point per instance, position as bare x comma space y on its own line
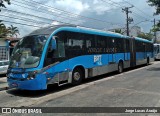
14, 85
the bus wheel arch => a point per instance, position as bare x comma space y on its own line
120, 66
78, 74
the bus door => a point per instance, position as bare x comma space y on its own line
111, 46
56, 56
126, 49
132, 52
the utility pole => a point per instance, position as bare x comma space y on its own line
129, 19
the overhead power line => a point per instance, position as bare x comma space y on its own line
25, 19
110, 3
35, 16
136, 14
21, 23
44, 12
67, 12
138, 8
116, 3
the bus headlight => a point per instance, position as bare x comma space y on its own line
31, 75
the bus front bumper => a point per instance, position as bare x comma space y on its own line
38, 83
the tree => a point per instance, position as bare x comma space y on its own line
2, 3
13, 31
156, 28
147, 36
118, 31
155, 3
3, 30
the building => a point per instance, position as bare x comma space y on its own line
4, 49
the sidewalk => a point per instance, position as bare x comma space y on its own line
3, 83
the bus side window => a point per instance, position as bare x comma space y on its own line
110, 44
101, 43
75, 44
50, 51
90, 40
60, 51
88, 43
127, 45
119, 45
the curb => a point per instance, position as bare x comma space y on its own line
4, 88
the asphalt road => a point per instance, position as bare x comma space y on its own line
133, 88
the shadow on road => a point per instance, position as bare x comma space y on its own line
2, 75
55, 88
154, 69
38, 93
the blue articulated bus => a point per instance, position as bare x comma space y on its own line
68, 54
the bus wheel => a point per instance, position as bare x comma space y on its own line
120, 67
76, 76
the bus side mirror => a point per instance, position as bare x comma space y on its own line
53, 43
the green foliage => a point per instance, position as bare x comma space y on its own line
118, 31
10, 31
13, 31
3, 30
155, 3
156, 28
2, 3
147, 36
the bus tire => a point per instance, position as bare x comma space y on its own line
77, 76
120, 67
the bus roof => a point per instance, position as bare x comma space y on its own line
143, 40
100, 32
50, 29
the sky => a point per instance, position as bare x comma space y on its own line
29, 15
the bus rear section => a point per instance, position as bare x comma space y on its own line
141, 51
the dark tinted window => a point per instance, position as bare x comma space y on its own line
139, 46
127, 44
101, 41
119, 42
149, 47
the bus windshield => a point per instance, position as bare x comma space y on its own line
28, 51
